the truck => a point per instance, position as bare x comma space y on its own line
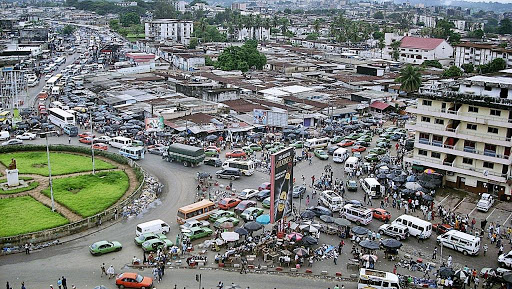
186, 154
485, 203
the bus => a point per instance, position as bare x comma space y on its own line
60, 60
373, 279
119, 142
54, 79
356, 214
5, 115
134, 153
196, 211
61, 117
316, 143
245, 166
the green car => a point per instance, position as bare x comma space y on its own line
273, 145
382, 139
211, 153
377, 151
148, 236
154, 244
104, 247
251, 213
390, 129
198, 232
351, 185
255, 147
383, 145
337, 139
354, 136
386, 135
276, 149
371, 158
321, 154
247, 150
365, 138
223, 220
297, 144
220, 214
266, 203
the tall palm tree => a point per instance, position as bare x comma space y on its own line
381, 45
410, 79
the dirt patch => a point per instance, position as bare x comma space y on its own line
39, 165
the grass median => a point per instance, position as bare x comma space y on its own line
24, 215
88, 195
61, 163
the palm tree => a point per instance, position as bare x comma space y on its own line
410, 79
381, 45
316, 25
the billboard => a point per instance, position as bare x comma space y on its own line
281, 180
154, 124
270, 118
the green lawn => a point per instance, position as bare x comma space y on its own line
61, 163
90, 194
24, 215
31, 185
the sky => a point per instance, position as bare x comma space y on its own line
500, 1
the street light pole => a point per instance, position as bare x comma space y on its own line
49, 171
92, 144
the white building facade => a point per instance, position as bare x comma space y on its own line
177, 31
415, 50
478, 54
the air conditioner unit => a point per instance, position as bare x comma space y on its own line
450, 173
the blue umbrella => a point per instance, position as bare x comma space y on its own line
263, 219
411, 178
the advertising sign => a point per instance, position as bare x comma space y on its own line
281, 180
154, 124
270, 118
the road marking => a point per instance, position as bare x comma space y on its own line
443, 199
472, 211
490, 214
507, 219
456, 206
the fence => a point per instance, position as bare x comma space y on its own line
82, 225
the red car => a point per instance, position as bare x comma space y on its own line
264, 186
358, 149
441, 228
345, 143
228, 203
213, 148
86, 140
100, 146
381, 214
244, 205
133, 280
86, 134
236, 154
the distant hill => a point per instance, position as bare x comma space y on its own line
491, 6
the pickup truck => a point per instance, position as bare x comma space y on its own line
485, 203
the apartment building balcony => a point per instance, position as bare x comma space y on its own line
461, 116
448, 166
466, 152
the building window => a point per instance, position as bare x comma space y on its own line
425, 119
471, 126
422, 152
492, 130
473, 109
467, 161
435, 155
488, 165
495, 112
427, 102
488, 88
439, 121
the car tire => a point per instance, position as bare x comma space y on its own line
233, 178
358, 223
381, 232
121, 287
465, 252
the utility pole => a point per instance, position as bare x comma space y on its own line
92, 146
45, 134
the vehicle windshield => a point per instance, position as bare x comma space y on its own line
94, 246
139, 278
223, 202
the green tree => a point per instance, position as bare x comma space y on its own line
497, 65
432, 63
478, 34
123, 31
468, 67
409, 78
377, 35
164, 10
453, 71
241, 58
128, 19
505, 26
287, 11
193, 43
208, 61
395, 53
378, 15
68, 29
381, 46
114, 24
312, 36
317, 25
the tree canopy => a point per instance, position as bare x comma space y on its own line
409, 78
493, 66
453, 71
241, 58
129, 18
68, 29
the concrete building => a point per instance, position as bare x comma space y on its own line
428, 21
178, 31
257, 33
415, 50
478, 54
180, 6
466, 135
239, 6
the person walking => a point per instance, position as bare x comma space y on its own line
59, 283
27, 249
23, 285
155, 274
335, 257
103, 270
69, 140
434, 255
110, 272
485, 249
64, 283
449, 262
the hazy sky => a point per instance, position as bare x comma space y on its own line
501, 1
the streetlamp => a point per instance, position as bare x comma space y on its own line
45, 135
92, 146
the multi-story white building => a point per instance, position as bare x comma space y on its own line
415, 50
466, 135
428, 21
180, 6
478, 54
257, 33
178, 31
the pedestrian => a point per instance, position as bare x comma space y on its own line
69, 140
500, 250
485, 249
220, 285
27, 249
59, 283
103, 270
335, 257
110, 272
64, 283
336, 287
476, 282
7, 286
155, 274
434, 255
449, 262
23, 285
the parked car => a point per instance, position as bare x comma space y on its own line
345, 143
252, 213
266, 203
371, 158
148, 236
255, 147
211, 153
12, 142
214, 162
247, 194
194, 224
377, 151
154, 244
228, 203
133, 280
27, 136
320, 210
223, 220
321, 154
220, 214
358, 148
505, 260
263, 194
441, 228
298, 191
397, 231
197, 233
381, 214
244, 205
264, 186
351, 185
297, 144
104, 247
236, 154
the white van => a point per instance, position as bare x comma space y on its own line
372, 187
56, 90
359, 215
316, 143
340, 155
351, 164
119, 142
4, 135
416, 226
331, 200
460, 241
156, 227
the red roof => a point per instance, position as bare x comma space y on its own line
420, 42
379, 105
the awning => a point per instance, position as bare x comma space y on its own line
417, 167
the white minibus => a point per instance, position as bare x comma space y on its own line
340, 155
316, 143
372, 187
374, 279
356, 214
416, 226
331, 200
460, 241
119, 142
134, 153
156, 227
351, 164
245, 166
